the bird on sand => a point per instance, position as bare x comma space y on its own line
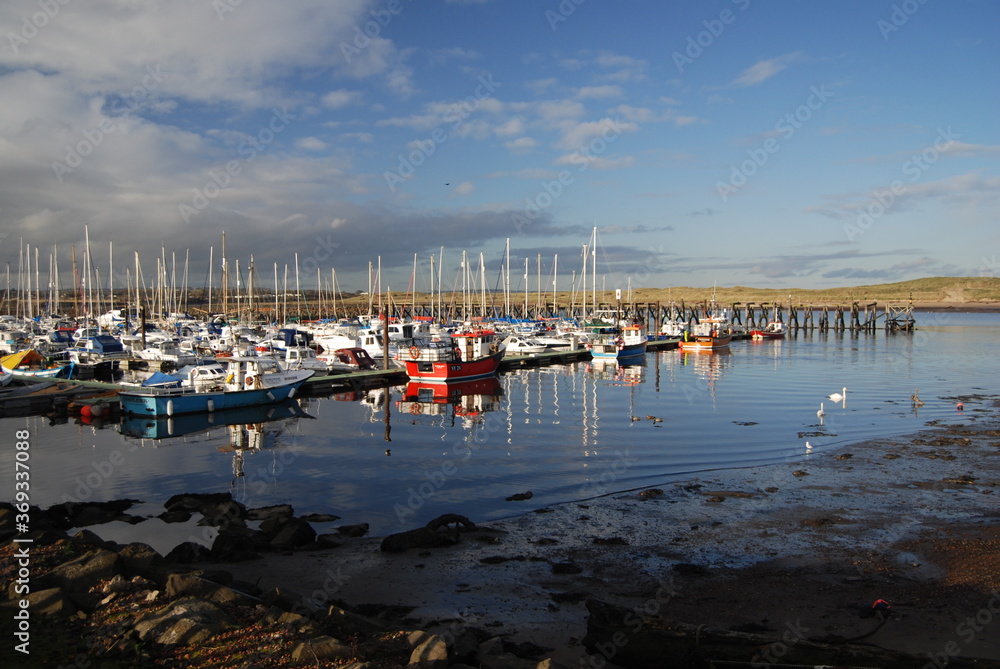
837, 397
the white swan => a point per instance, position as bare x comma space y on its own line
820, 413
837, 397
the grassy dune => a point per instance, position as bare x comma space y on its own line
952, 290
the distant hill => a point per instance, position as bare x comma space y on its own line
969, 291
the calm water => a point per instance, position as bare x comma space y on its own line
563, 432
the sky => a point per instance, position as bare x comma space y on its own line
729, 142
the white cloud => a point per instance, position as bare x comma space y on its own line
310, 143
521, 144
598, 92
341, 98
763, 70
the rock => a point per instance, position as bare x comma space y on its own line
223, 513
179, 516
282, 511
139, 559
347, 623
566, 568
294, 533
800, 472
355, 531
650, 493
49, 601
237, 544
192, 502
82, 573
319, 518
321, 648
88, 538
431, 653
416, 638
327, 541
187, 621
465, 647
428, 536
187, 552
520, 497
549, 663
98, 513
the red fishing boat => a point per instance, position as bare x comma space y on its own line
470, 354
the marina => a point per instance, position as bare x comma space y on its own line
371, 448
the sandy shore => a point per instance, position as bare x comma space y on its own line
804, 547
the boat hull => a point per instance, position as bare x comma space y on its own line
443, 371
611, 352
705, 343
167, 403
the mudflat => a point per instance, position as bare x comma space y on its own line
891, 542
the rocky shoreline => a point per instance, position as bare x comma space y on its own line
766, 563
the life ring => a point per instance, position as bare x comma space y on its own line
458, 353
414, 352
249, 381
415, 409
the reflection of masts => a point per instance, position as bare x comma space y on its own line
385, 408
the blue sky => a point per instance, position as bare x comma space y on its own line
781, 144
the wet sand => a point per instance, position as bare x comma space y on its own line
801, 549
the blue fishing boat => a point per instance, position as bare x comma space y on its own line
249, 382
618, 343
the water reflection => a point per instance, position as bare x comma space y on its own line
465, 402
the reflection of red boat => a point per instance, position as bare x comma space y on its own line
466, 355
469, 397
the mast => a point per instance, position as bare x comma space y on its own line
211, 264
593, 272
506, 288
555, 281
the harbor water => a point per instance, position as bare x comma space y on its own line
397, 457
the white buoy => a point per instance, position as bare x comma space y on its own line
211, 405
170, 407
291, 393
270, 396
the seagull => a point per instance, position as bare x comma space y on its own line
820, 413
837, 397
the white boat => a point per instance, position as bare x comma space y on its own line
249, 382
519, 345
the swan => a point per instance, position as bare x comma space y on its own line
820, 413
837, 397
